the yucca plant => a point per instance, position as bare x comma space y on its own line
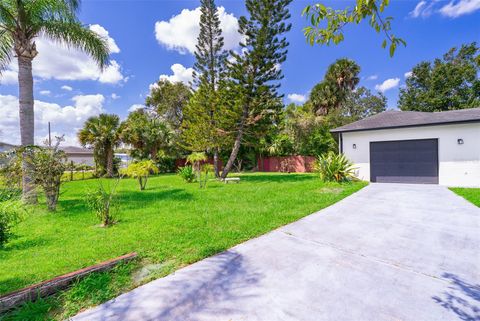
334, 167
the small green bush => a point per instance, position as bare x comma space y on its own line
186, 173
333, 167
141, 171
103, 202
12, 211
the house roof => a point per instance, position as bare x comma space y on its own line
396, 119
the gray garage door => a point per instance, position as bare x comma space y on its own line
404, 161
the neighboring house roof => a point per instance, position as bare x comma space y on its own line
5, 147
69, 150
396, 119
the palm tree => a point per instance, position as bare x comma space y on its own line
21, 21
344, 72
102, 133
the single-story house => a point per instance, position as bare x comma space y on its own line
79, 155
4, 147
415, 147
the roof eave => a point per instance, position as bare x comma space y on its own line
339, 130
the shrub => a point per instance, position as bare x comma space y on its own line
48, 165
103, 203
334, 167
141, 171
186, 173
12, 212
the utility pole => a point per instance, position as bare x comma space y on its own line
49, 136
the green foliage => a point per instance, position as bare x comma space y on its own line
254, 73
186, 173
12, 211
149, 136
141, 171
47, 167
448, 83
333, 167
11, 169
340, 80
168, 100
102, 133
21, 21
103, 202
336, 20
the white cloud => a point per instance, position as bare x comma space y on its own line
136, 107
372, 77
115, 96
45, 92
456, 9
112, 45
408, 74
422, 9
387, 84
297, 98
57, 61
64, 119
180, 33
67, 88
180, 74
9, 77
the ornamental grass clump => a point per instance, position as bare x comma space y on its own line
334, 167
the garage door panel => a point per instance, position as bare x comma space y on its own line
407, 161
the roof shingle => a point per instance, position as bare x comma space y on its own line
395, 118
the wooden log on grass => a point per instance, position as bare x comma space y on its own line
46, 288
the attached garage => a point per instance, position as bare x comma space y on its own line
415, 147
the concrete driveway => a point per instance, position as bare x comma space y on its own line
389, 252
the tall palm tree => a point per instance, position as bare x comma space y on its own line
102, 133
344, 72
21, 22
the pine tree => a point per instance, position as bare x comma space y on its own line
256, 70
204, 112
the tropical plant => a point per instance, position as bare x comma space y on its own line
448, 83
103, 202
254, 73
148, 135
196, 159
141, 171
102, 133
21, 21
327, 23
205, 174
186, 173
333, 167
11, 169
47, 165
12, 211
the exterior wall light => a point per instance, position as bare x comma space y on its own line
355, 145
460, 141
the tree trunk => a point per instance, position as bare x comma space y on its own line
25, 88
216, 163
237, 144
110, 162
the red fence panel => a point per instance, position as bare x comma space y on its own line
287, 164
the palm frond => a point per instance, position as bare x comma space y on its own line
7, 18
6, 47
75, 35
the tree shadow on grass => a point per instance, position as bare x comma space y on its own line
137, 199
215, 286
461, 298
276, 178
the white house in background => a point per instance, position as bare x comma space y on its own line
79, 155
4, 147
415, 147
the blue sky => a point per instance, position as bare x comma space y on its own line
153, 38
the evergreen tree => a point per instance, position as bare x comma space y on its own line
255, 71
204, 111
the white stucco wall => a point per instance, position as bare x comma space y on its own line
459, 165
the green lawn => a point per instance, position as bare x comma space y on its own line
470, 194
171, 222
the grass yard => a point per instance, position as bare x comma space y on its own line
470, 194
171, 222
